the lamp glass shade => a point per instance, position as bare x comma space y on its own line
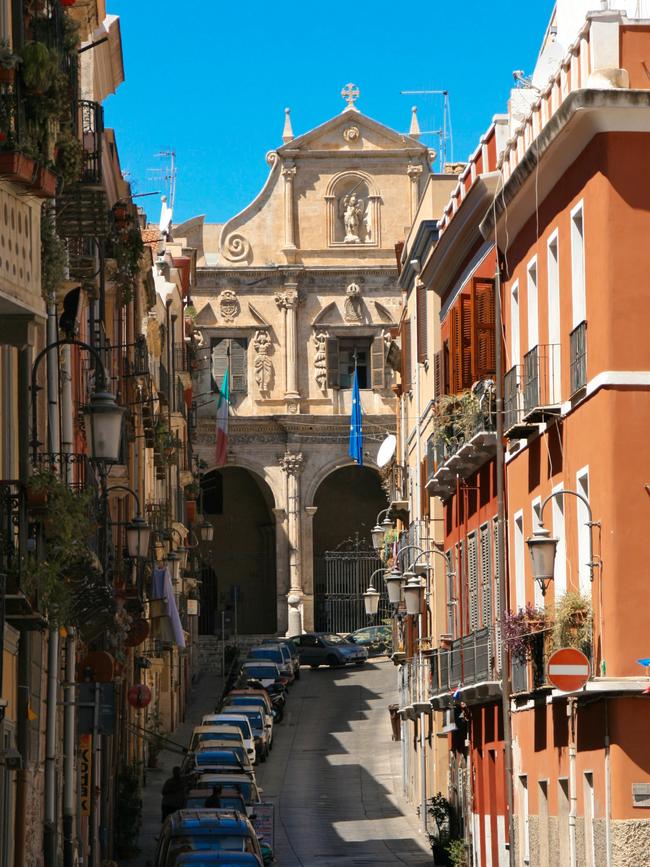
183, 552
206, 531
138, 533
542, 549
413, 596
173, 562
394, 581
371, 601
103, 418
377, 534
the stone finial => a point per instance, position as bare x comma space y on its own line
350, 94
414, 129
287, 132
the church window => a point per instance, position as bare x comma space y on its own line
234, 349
370, 361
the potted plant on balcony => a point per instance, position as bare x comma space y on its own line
69, 159
40, 65
573, 622
522, 630
8, 63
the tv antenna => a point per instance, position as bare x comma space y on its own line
167, 175
444, 133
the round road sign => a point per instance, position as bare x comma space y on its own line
568, 669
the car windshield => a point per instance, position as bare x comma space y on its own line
262, 672
198, 841
245, 700
272, 653
242, 724
244, 785
254, 716
333, 639
214, 757
221, 735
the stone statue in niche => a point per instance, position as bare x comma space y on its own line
352, 209
263, 364
353, 309
320, 359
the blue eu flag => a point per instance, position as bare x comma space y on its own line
356, 429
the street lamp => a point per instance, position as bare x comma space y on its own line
371, 601
206, 530
103, 416
394, 581
173, 562
413, 594
138, 534
378, 532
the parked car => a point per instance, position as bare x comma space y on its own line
194, 830
219, 744
240, 721
246, 787
267, 673
291, 647
218, 859
327, 648
275, 708
278, 655
217, 758
262, 735
378, 640
252, 703
225, 731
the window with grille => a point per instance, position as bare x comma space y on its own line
230, 352
472, 581
370, 355
486, 576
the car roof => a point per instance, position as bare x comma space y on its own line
218, 857
208, 728
256, 663
224, 821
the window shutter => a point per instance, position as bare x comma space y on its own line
406, 355
486, 577
424, 494
483, 336
219, 361
472, 581
439, 374
455, 351
467, 353
497, 596
239, 365
332, 362
421, 308
378, 353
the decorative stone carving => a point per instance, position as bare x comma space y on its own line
289, 172
351, 133
292, 463
353, 309
286, 300
272, 158
236, 248
229, 305
320, 359
263, 364
352, 209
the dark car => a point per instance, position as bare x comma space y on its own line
327, 648
291, 647
228, 799
378, 640
273, 653
208, 830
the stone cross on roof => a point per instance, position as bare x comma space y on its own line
350, 94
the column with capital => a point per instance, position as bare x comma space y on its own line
288, 302
307, 561
414, 173
281, 567
288, 173
292, 464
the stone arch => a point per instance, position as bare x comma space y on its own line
239, 571
327, 470
347, 499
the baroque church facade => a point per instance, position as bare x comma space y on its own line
292, 292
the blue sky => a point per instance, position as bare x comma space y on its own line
211, 80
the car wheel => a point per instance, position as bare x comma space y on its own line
332, 661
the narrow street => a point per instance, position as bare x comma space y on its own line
334, 774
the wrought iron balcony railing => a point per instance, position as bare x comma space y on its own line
89, 117
542, 375
514, 423
578, 357
467, 662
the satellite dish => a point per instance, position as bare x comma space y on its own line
386, 450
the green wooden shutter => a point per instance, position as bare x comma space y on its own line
219, 361
239, 365
406, 355
378, 363
421, 306
332, 362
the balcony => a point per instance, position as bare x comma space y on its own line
530, 674
515, 425
90, 129
20, 608
467, 666
542, 384
578, 358
463, 440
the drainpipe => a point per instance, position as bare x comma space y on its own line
69, 751
53, 438
573, 795
608, 793
50, 817
501, 565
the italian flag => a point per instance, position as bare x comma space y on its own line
222, 419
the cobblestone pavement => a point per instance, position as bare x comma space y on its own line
335, 774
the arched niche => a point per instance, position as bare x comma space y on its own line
353, 219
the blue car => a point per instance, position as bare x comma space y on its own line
327, 648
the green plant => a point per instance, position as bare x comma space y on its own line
522, 629
69, 158
40, 65
127, 249
190, 312
573, 622
128, 812
458, 853
192, 491
54, 254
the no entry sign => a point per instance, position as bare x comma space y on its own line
568, 669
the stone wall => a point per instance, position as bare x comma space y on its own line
630, 842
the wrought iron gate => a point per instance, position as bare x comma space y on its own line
347, 576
